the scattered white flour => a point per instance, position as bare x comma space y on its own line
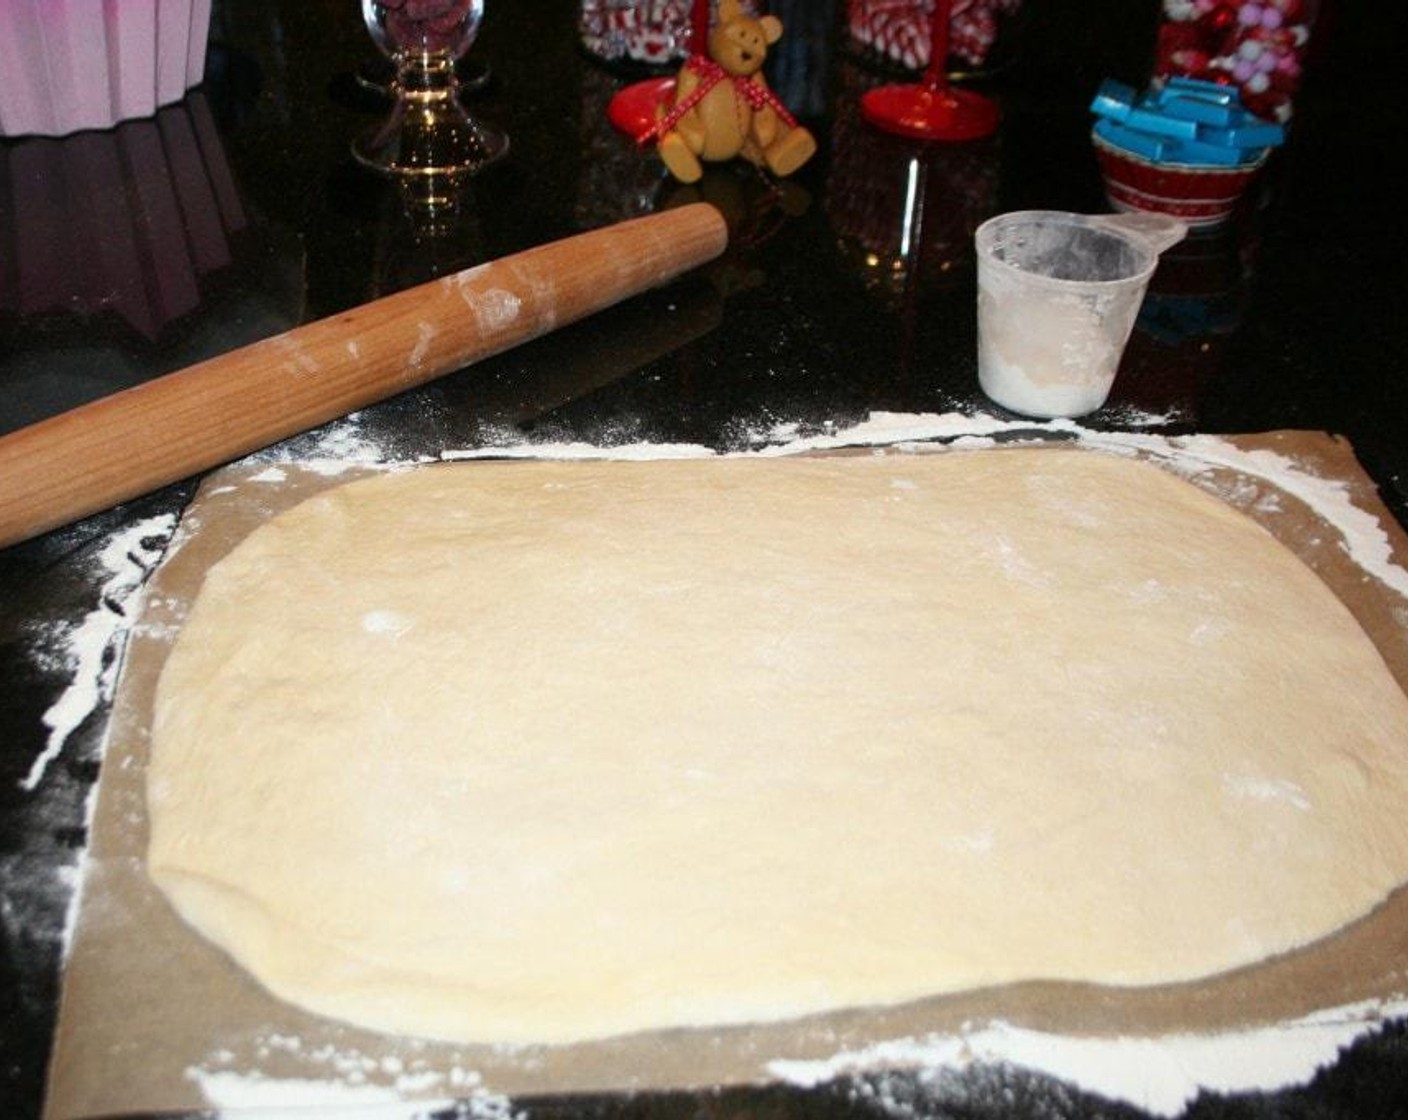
1159, 1075
330, 449
425, 335
89, 652
1129, 416
494, 309
387, 622
93, 644
1266, 789
259, 1098
899, 428
344, 1083
460, 281
298, 360
630, 451
293, 1096
41, 881
70, 879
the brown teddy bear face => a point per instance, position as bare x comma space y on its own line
740, 45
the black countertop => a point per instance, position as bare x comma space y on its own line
239, 213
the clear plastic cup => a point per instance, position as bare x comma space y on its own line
1058, 294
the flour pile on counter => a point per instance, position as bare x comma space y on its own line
39, 897
92, 647
354, 1083
1160, 1075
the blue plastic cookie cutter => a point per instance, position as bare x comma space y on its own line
1183, 120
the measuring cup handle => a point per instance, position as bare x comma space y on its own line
1158, 231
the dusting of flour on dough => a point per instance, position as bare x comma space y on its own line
1363, 538
1266, 789
393, 623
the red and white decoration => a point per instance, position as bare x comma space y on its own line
899, 29
654, 32
1257, 46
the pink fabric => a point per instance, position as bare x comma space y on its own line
69, 65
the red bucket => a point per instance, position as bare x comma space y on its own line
1199, 194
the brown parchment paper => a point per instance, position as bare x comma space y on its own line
151, 1013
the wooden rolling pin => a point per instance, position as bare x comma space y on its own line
117, 448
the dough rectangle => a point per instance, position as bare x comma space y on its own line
156, 956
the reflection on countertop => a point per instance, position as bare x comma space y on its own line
128, 249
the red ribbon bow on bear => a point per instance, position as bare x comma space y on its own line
712, 74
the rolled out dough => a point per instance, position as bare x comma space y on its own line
539, 752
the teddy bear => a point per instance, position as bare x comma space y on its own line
722, 106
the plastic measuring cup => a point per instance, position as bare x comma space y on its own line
1058, 294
